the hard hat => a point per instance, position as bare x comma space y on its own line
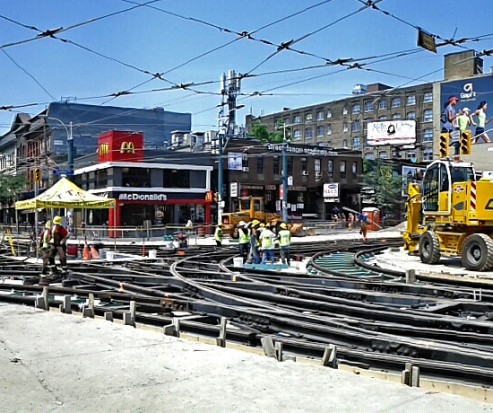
255, 222
242, 223
48, 224
283, 225
262, 225
57, 220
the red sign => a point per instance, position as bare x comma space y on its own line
124, 146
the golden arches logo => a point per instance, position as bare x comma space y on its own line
127, 147
104, 149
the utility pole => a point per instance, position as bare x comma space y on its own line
284, 176
230, 88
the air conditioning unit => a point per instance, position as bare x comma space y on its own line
318, 175
305, 173
245, 169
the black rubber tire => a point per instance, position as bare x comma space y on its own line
477, 253
429, 248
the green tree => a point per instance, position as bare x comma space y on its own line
386, 186
10, 188
260, 132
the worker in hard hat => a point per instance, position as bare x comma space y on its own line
254, 255
59, 236
244, 240
284, 237
218, 235
44, 245
267, 244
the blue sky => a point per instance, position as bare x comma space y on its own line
195, 41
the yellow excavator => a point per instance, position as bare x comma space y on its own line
451, 215
250, 208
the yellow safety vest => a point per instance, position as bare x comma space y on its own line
284, 238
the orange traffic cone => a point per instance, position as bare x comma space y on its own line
94, 253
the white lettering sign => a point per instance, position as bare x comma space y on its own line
142, 197
399, 132
331, 190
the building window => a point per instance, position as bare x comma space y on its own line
410, 155
396, 102
428, 155
383, 117
396, 116
101, 178
260, 165
383, 104
345, 127
140, 177
320, 131
329, 114
369, 106
290, 165
175, 178
357, 144
383, 155
297, 119
317, 164
428, 135
411, 115
356, 127
428, 115
296, 134
427, 97
342, 169
330, 168
354, 169
308, 117
356, 109
344, 111
329, 129
304, 166
275, 165
411, 100
308, 133
344, 143
320, 115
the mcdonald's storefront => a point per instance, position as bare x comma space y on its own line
163, 193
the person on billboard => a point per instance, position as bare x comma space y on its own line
464, 120
482, 122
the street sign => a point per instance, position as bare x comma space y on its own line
60, 173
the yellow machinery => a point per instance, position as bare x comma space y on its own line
250, 208
451, 215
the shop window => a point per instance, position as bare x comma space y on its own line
136, 177
176, 178
275, 165
260, 165
342, 169
330, 168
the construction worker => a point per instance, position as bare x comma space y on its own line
255, 242
44, 244
284, 243
243, 240
218, 235
59, 236
267, 241
364, 226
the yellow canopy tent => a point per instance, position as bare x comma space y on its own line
65, 194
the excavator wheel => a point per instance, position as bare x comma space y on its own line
477, 252
429, 248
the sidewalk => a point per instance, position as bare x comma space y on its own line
50, 362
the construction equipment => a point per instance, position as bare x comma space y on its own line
451, 215
250, 208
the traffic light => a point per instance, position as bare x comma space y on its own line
444, 145
465, 142
37, 175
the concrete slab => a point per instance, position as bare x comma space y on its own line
50, 362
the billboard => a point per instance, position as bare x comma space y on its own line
235, 161
396, 132
470, 93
